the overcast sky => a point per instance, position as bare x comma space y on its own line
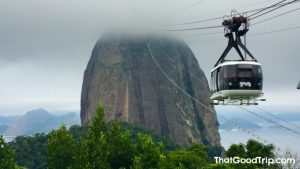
45, 45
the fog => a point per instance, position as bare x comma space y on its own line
45, 45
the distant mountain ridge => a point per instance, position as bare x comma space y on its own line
238, 122
40, 120
8, 120
3, 128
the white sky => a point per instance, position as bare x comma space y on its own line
45, 46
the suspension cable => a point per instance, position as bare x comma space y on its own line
271, 121
278, 3
221, 17
274, 9
191, 29
252, 35
183, 9
238, 7
273, 115
276, 16
206, 20
187, 94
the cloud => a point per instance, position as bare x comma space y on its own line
45, 45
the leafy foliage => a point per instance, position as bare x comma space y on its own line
194, 157
109, 146
251, 150
122, 146
136, 129
7, 155
60, 147
31, 151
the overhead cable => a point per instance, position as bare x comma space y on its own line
221, 17
276, 16
193, 98
238, 7
184, 9
271, 121
191, 29
273, 9
277, 117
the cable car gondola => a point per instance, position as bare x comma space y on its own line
236, 80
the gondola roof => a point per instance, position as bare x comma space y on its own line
235, 63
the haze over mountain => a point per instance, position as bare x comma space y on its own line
8, 120
38, 121
234, 122
3, 128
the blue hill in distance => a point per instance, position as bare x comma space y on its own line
234, 122
39, 121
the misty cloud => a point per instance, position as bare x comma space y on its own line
45, 45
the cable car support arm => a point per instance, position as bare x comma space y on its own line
234, 37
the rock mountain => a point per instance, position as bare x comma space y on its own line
122, 74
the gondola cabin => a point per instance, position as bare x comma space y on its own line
236, 80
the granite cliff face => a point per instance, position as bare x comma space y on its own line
122, 74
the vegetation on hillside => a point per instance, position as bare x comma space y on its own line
7, 155
30, 151
118, 146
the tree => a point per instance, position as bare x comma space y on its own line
31, 151
251, 150
60, 147
110, 147
236, 150
97, 141
7, 155
148, 151
78, 132
121, 151
137, 164
193, 158
81, 155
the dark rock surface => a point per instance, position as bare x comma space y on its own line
122, 74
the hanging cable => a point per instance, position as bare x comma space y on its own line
273, 115
274, 31
187, 94
262, 33
274, 9
252, 35
218, 26
278, 3
251, 133
191, 29
255, 107
271, 121
192, 22
206, 20
184, 9
276, 16
221, 17
238, 7
254, 113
